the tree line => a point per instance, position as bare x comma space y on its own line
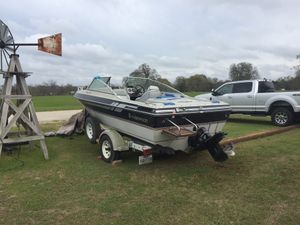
204, 83
196, 82
51, 88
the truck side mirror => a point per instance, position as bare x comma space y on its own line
214, 93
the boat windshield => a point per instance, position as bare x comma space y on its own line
146, 84
100, 84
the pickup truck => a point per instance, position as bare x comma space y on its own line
258, 97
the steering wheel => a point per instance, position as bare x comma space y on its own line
138, 91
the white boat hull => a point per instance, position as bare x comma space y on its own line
151, 135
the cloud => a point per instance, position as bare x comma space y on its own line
175, 37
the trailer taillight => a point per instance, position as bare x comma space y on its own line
147, 150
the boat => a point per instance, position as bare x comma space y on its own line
157, 114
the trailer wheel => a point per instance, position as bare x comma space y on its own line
282, 116
92, 129
106, 149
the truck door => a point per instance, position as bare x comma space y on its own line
243, 97
223, 93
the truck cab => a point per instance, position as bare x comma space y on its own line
241, 95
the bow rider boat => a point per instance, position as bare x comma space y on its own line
157, 114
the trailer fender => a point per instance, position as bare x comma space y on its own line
118, 142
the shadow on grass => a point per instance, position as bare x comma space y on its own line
249, 121
178, 159
255, 121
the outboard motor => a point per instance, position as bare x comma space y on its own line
203, 140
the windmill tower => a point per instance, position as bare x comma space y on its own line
16, 102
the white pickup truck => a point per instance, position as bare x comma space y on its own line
258, 97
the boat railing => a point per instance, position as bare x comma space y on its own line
195, 125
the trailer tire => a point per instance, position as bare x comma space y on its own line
92, 129
282, 116
107, 149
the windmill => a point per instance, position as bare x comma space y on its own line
16, 102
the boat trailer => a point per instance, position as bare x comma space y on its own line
112, 143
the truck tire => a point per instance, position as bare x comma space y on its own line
92, 129
282, 116
107, 150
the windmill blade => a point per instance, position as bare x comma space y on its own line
9, 48
5, 32
8, 39
1, 62
51, 44
2, 28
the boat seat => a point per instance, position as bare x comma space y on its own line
152, 92
121, 93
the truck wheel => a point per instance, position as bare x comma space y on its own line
282, 116
92, 129
106, 149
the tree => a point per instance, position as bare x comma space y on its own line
181, 83
243, 71
51, 88
297, 73
145, 71
198, 82
296, 81
165, 81
288, 82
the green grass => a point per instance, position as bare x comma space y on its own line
240, 125
54, 103
260, 185
193, 93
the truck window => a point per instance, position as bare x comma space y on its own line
226, 89
265, 86
242, 87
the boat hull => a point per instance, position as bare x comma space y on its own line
151, 135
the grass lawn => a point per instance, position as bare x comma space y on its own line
260, 185
54, 103
193, 93
240, 125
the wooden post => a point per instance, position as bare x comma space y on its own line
23, 110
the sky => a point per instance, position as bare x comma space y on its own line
176, 37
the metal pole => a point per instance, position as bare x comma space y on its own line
23, 44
